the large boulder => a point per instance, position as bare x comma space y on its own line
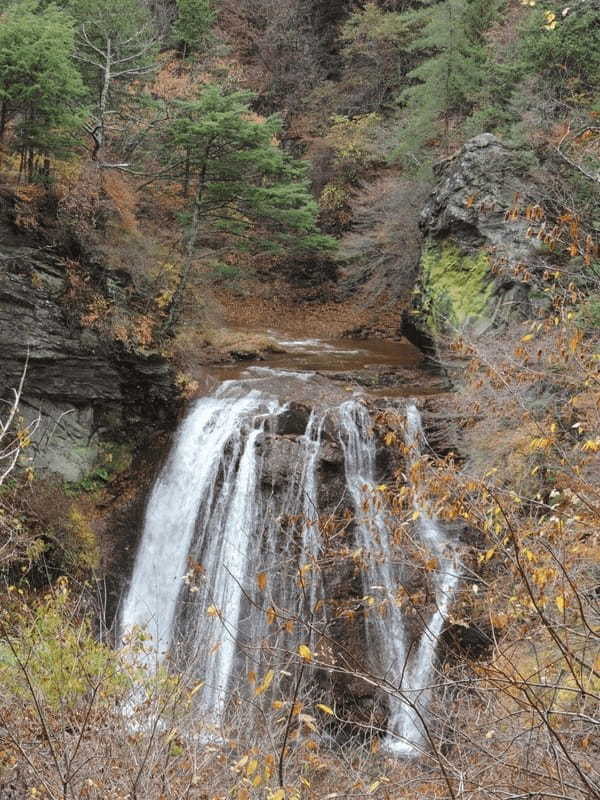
81, 387
475, 239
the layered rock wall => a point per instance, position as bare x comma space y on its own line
82, 387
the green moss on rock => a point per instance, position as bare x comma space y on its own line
456, 287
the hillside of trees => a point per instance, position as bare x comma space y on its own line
203, 167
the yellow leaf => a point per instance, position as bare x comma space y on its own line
261, 580
591, 445
499, 620
252, 767
541, 443
271, 615
374, 786
560, 602
575, 341
527, 338
305, 654
324, 709
277, 704
212, 611
196, 688
416, 514
267, 680
277, 795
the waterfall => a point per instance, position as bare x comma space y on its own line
203, 503
405, 727
385, 633
212, 525
410, 674
208, 532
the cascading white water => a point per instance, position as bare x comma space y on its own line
206, 513
211, 527
405, 726
203, 501
386, 634
410, 674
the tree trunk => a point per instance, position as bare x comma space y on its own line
104, 94
177, 301
186, 175
3, 119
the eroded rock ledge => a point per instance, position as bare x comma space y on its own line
84, 387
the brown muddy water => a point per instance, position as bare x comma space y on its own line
375, 366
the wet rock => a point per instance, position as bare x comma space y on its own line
294, 420
280, 455
331, 454
246, 355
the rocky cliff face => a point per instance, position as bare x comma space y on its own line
83, 388
473, 243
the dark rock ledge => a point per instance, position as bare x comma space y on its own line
84, 387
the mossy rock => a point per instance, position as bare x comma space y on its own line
457, 287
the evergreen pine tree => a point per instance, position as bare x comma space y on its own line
237, 180
40, 88
451, 76
376, 55
194, 23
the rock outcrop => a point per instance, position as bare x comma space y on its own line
468, 230
82, 387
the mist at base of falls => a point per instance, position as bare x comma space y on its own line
228, 580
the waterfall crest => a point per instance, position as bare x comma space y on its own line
214, 522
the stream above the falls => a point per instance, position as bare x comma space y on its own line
382, 367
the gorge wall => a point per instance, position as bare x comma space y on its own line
473, 243
85, 388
